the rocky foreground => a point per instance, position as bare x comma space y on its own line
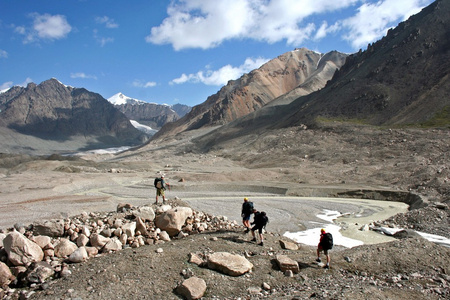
173, 252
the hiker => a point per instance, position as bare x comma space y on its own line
325, 244
260, 220
247, 210
160, 186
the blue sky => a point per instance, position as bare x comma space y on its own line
176, 51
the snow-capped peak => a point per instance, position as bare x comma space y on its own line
120, 98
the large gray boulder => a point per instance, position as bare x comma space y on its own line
52, 228
230, 264
173, 220
20, 250
146, 213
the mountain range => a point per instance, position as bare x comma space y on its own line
148, 114
292, 74
401, 80
51, 114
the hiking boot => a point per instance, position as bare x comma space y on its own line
261, 244
318, 260
253, 240
326, 266
247, 230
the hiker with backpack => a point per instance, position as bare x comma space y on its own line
246, 212
160, 186
325, 244
260, 221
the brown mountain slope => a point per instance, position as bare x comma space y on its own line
301, 70
403, 79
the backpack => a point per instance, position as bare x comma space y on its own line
327, 241
261, 219
264, 220
158, 183
248, 207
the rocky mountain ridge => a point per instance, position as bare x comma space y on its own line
298, 72
54, 112
149, 114
401, 80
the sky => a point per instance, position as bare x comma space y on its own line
179, 51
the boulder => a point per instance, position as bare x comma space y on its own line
113, 245
2, 237
288, 245
140, 226
406, 233
173, 220
192, 288
6, 277
146, 213
227, 263
79, 255
52, 228
65, 248
129, 229
196, 259
20, 250
287, 264
82, 240
86, 231
98, 241
40, 272
91, 251
164, 236
45, 242
123, 207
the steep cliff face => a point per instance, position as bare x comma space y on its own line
302, 70
54, 111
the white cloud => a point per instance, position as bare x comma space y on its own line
206, 24
3, 54
109, 23
374, 19
6, 85
45, 27
82, 75
9, 84
102, 40
221, 76
141, 84
324, 30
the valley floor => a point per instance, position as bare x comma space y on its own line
297, 163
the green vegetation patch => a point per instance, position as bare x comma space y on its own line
440, 119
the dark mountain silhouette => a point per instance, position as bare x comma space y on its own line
52, 111
401, 80
297, 72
